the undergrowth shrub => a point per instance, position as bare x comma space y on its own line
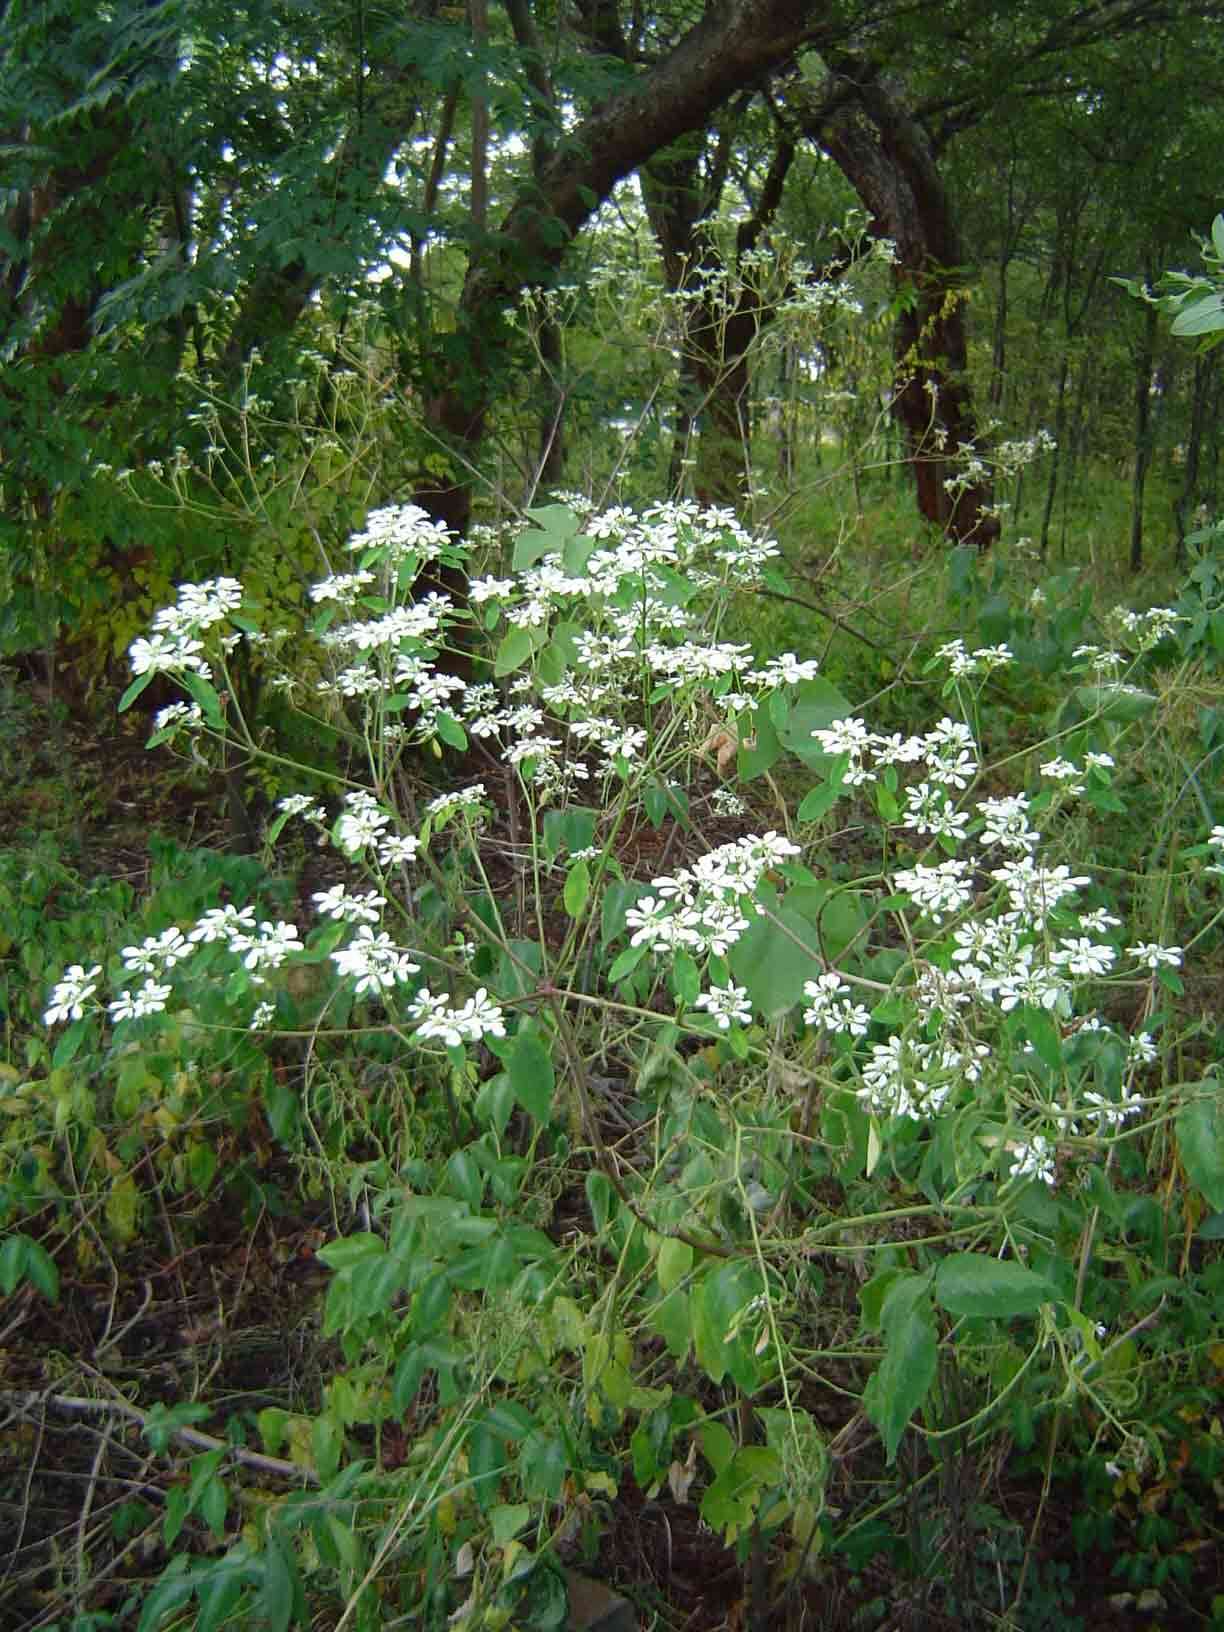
704, 1082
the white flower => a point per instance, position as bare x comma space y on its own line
938, 891
960, 664
787, 670
398, 531
1154, 955
848, 736
163, 655
186, 714
727, 803
361, 824
1006, 823
156, 953
150, 999
301, 804
1079, 956
270, 948
1108, 1113
994, 657
351, 909
929, 810
1099, 921
223, 923
650, 920
831, 1007
488, 589
394, 849
70, 994
1062, 770
374, 961
462, 799
479, 1017
263, 1013
1034, 1160
343, 587
1141, 1050
727, 1005
1034, 890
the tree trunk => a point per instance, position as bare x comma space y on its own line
1060, 429
1145, 362
731, 46
1187, 500
886, 157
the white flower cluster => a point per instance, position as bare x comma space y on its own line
963, 664
398, 532
1143, 630
947, 753
702, 909
832, 1008
175, 646
913, 1079
727, 1006
474, 1020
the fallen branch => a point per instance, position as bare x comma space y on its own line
81, 1405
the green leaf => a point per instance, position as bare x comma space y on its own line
971, 1283
601, 1198
1205, 315
532, 1076
205, 694
577, 889
818, 801
129, 697
717, 1445
351, 1250
13, 1256
515, 649
555, 525
760, 750
1117, 702
818, 704
675, 1261
451, 732
626, 963
1041, 1030
220, 1588
41, 1271
771, 960
277, 1595
901, 1383
543, 1465
1200, 1139
170, 1593
506, 1520
685, 979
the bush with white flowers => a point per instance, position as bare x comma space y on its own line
924, 1011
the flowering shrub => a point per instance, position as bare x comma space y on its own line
924, 1014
